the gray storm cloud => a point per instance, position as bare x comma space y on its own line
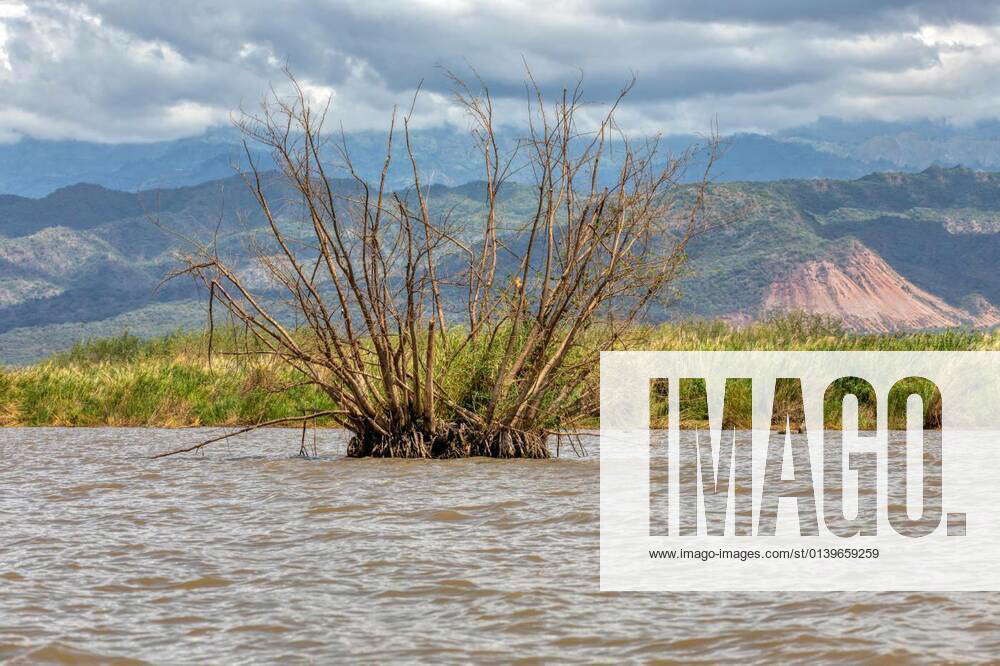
134, 70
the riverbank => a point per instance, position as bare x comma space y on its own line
169, 382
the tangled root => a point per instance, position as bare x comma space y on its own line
450, 440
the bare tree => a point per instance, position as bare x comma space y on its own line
438, 340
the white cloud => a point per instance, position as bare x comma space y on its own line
134, 70
8, 10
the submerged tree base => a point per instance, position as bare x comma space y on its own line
450, 440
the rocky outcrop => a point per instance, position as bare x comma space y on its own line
860, 288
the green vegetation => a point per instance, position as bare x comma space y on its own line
693, 409
105, 264
24, 346
802, 332
168, 382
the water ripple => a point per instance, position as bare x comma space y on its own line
109, 557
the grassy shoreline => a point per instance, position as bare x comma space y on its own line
168, 381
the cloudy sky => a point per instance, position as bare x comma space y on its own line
114, 70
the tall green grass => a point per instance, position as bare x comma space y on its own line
168, 381
789, 403
804, 332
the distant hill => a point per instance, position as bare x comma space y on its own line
884, 252
36, 168
828, 148
908, 146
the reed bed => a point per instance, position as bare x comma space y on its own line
164, 382
169, 382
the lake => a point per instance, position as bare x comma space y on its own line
248, 552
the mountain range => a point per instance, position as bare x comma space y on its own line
884, 252
828, 148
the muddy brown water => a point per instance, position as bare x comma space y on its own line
251, 554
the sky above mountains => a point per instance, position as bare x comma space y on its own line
133, 70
